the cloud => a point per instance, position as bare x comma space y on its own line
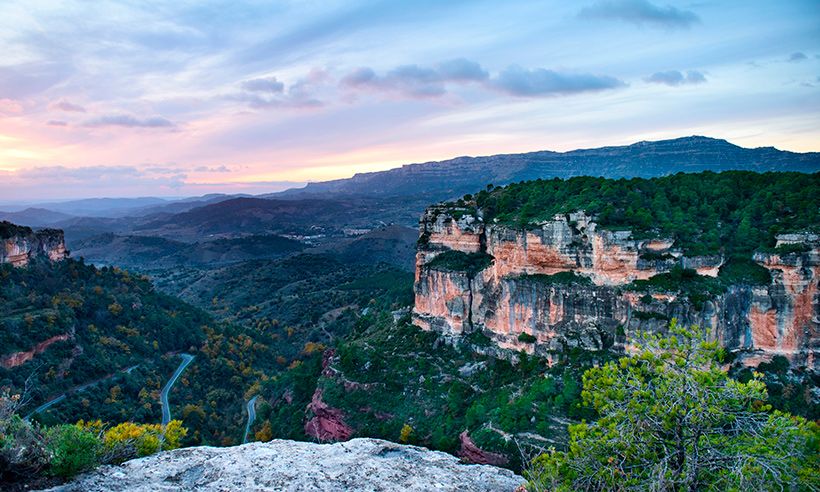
94, 176
56, 123
416, 81
293, 101
518, 81
206, 169
10, 107
23, 80
408, 80
797, 56
675, 78
129, 121
270, 92
67, 106
640, 12
267, 84
461, 69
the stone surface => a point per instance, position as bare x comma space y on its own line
506, 299
279, 465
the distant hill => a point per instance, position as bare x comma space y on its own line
35, 217
455, 177
394, 245
258, 216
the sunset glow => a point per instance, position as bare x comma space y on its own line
130, 99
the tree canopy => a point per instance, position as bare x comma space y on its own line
672, 419
733, 212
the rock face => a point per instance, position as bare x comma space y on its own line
22, 244
515, 294
19, 358
359, 464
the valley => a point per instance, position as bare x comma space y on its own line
325, 318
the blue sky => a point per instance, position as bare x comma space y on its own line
179, 98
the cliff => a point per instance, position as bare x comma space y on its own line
21, 244
568, 283
358, 464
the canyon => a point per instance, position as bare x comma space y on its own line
567, 283
22, 244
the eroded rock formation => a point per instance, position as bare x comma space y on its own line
22, 244
326, 423
19, 358
592, 306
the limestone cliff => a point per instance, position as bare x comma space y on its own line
566, 283
22, 244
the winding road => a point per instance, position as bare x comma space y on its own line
166, 409
45, 406
251, 417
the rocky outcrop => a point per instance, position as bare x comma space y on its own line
19, 358
359, 464
567, 243
326, 423
566, 283
22, 244
471, 453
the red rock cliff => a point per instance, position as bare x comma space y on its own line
512, 296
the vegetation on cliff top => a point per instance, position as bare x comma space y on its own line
7, 230
733, 212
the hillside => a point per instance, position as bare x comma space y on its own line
454, 177
156, 252
257, 216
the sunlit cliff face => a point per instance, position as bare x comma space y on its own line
506, 299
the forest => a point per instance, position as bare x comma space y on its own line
734, 213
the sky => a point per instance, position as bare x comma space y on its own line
180, 98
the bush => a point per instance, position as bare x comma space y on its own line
73, 449
22, 454
526, 338
128, 439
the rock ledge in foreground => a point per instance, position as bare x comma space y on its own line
358, 464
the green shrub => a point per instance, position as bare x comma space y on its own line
785, 249
526, 338
458, 261
647, 315
73, 449
560, 278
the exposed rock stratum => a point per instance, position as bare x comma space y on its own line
358, 464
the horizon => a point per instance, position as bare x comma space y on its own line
238, 97
19, 205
